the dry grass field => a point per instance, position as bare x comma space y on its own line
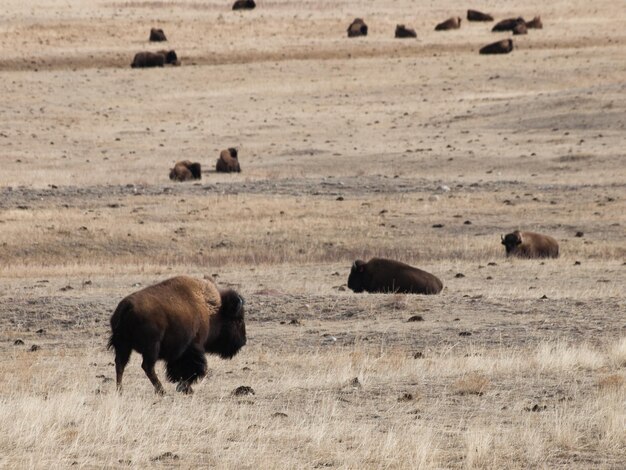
420, 150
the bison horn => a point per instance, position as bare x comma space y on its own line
240, 304
501, 238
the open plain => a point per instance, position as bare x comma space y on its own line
415, 149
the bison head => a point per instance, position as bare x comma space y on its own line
232, 329
358, 278
511, 240
233, 152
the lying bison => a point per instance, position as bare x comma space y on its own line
474, 15
357, 28
385, 275
535, 23
450, 23
508, 24
177, 320
244, 5
499, 47
185, 171
228, 161
154, 59
404, 32
157, 35
530, 245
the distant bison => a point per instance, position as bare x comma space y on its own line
535, 23
474, 15
185, 171
385, 275
520, 28
450, 23
500, 47
508, 24
157, 35
244, 5
154, 59
228, 161
357, 28
404, 32
530, 245
177, 320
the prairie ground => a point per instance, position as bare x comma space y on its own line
419, 150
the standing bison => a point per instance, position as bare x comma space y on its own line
357, 28
157, 35
385, 275
177, 320
228, 161
530, 245
186, 171
450, 23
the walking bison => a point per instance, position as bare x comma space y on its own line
178, 320
389, 276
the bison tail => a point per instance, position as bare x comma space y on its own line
119, 328
190, 367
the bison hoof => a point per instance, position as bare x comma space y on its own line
184, 387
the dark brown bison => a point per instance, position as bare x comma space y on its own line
157, 35
508, 24
385, 275
154, 59
185, 171
357, 28
474, 15
535, 23
450, 23
520, 28
530, 245
244, 5
499, 47
178, 321
404, 32
228, 161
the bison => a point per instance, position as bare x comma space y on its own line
499, 47
357, 28
385, 275
157, 35
185, 171
520, 28
450, 23
530, 245
178, 321
154, 59
228, 161
244, 5
404, 32
508, 24
474, 15
535, 23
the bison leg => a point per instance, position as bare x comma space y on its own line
149, 360
122, 355
188, 368
184, 387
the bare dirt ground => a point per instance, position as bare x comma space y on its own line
419, 150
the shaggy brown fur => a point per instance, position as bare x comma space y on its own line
148, 59
535, 23
388, 276
404, 32
520, 28
500, 47
357, 28
170, 56
228, 162
185, 171
474, 15
177, 320
244, 5
508, 24
157, 35
450, 23
530, 245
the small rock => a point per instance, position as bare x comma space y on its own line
543, 297
242, 390
465, 333
418, 355
406, 397
165, 456
34, 348
355, 383
340, 198
492, 264
437, 225
459, 275
467, 222
41, 331
18, 342
576, 263
294, 322
579, 234
443, 188
66, 288
278, 414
